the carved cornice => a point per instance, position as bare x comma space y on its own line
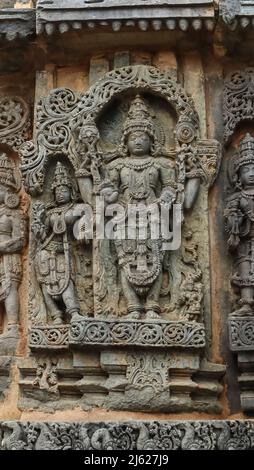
64, 15
92, 332
17, 23
130, 435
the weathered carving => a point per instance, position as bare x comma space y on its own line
237, 100
12, 240
14, 121
54, 260
153, 435
46, 376
241, 334
239, 222
229, 9
17, 23
148, 371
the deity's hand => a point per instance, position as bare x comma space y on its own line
110, 194
168, 196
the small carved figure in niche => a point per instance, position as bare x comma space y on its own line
12, 240
52, 226
239, 214
140, 176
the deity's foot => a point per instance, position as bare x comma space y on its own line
77, 317
246, 310
9, 340
57, 321
152, 315
134, 315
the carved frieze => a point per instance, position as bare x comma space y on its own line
46, 337
145, 333
132, 435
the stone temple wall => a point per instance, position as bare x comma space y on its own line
110, 339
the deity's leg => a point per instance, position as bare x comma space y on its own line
247, 292
12, 304
53, 311
134, 306
152, 301
70, 301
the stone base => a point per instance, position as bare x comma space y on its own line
131, 435
115, 379
241, 334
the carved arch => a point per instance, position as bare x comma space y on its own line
61, 113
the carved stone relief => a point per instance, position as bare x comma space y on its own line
237, 100
239, 221
106, 150
14, 130
148, 435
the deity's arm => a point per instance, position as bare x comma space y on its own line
234, 219
85, 184
40, 225
110, 187
191, 191
168, 180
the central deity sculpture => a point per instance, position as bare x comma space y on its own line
141, 177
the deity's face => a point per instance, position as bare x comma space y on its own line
62, 194
139, 143
247, 175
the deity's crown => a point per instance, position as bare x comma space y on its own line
246, 152
61, 177
139, 117
8, 176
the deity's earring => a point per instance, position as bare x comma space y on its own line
11, 200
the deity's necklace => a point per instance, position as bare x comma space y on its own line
59, 225
249, 195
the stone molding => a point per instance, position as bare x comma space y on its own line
92, 332
136, 14
130, 435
